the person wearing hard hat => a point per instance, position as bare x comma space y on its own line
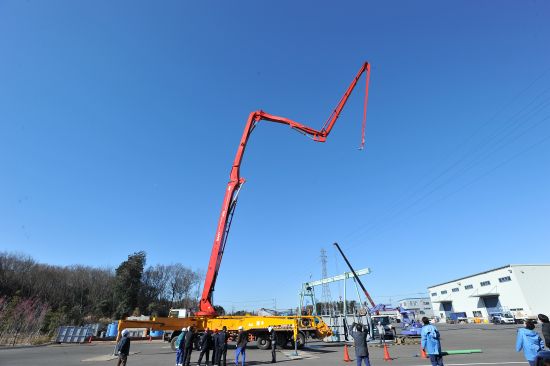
242, 340
123, 348
180, 347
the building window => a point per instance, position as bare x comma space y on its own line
477, 314
485, 283
468, 287
443, 292
426, 303
455, 289
517, 309
504, 279
422, 312
434, 293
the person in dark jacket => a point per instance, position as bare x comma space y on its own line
214, 346
206, 346
530, 342
273, 339
189, 339
123, 348
545, 329
360, 338
220, 344
242, 340
543, 358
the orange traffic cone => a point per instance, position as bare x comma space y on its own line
423, 353
346, 354
386, 353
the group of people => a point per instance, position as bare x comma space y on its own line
527, 340
209, 341
215, 342
430, 342
532, 344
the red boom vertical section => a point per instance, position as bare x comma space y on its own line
236, 181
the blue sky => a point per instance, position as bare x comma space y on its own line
119, 123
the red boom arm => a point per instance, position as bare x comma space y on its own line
236, 181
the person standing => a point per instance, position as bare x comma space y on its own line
220, 343
123, 348
242, 340
530, 342
360, 338
189, 339
214, 347
545, 329
381, 332
273, 339
206, 345
431, 342
180, 346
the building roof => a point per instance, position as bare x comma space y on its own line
427, 297
491, 270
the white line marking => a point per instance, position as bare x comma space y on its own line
484, 363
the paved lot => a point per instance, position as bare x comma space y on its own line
497, 343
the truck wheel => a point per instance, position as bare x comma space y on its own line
263, 342
301, 340
173, 343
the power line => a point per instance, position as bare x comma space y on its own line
501, 137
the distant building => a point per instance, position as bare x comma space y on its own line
516, 288
420, 306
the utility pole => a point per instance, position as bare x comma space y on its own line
326, 308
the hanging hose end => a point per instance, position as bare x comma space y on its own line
362, 146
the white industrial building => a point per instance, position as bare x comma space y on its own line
420, 306
518, 288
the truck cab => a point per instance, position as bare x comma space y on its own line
178, 313
386, 321
171, 335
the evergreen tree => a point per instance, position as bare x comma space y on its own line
128, 284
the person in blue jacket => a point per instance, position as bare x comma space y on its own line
530, 342
123, 348
180, 343
430, 342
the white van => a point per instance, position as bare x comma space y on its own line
502, 318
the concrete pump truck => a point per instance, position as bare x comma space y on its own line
288, 329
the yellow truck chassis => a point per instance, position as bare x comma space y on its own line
288, 328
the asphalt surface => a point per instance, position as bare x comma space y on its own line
496, 341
